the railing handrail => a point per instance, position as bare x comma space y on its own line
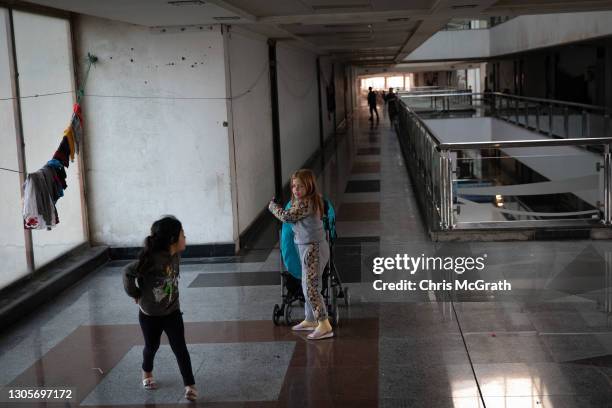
420, 93
420, 121
446, 94
435, 169
431, 91
525, 143
507, 143
550, 101
517, 97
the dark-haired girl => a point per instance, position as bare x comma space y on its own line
152, 281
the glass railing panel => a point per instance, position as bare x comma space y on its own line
421, 103
532, 115
447, 101
520, 113
527, 184
423, 161
598, 125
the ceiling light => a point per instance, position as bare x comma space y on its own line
328, 7
342, 25
359, 37
186, 3
464, 6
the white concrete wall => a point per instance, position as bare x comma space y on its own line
517, 35
538, 31
44, 59
156, 143
340, 93
450, 45
12, 244
355, 87
298, 106
252, 123
350, 79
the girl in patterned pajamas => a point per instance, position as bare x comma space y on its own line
306, 213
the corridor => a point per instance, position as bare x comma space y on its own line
548, 342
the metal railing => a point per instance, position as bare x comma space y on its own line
432, 164
445, 100
554, 118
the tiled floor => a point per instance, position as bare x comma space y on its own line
547, 343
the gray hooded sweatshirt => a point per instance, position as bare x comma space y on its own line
307, 226
156, 288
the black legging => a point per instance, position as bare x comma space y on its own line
152, 328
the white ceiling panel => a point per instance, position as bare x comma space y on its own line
145, 12
340, 27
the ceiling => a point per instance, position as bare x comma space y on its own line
361, 32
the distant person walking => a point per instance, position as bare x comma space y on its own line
372, 104
392, 103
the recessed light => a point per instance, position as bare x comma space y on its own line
186, 3
328, 7
464, 6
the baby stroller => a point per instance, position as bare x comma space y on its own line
291, 273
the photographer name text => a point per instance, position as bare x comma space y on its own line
410, 285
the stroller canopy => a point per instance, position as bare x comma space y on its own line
290, 254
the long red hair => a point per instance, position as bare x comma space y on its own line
307, 177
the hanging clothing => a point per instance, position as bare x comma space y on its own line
77, 127
39, 210
43, 188
63, 152
59, 170
69, 134
50, 180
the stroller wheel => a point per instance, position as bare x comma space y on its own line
335, 292
346, 297
335, 317
288, 320
276, 315
332, 307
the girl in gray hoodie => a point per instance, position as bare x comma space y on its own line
152, 281
306, 213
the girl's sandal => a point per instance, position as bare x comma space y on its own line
303, 326
191, 394
149, 383
317, 335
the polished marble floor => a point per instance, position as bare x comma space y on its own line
545, 343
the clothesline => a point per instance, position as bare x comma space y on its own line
14, 171
136, 96
36, 95
81, 94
